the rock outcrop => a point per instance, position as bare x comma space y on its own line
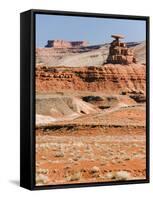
119, 53
108, 78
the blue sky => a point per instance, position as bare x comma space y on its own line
93, 30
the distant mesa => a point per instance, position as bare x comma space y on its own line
66, 44
119, 53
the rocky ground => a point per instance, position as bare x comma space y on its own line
90, 156
106, 144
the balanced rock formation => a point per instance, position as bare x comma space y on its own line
119, 53
66, 44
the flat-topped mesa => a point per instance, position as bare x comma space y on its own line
119, 53
65, 44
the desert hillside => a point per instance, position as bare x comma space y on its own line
84, 56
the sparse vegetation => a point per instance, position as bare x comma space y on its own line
59, 154
90, 116
119, 175
94, 169
42, 171
41, 179
75, 176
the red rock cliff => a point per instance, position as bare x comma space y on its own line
107, 78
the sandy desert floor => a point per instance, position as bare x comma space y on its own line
105, 145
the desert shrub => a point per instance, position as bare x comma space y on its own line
41, 179
59, 154
94, 169
75, 176
42, 171
119, 175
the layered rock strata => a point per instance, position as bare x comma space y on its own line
107, 78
